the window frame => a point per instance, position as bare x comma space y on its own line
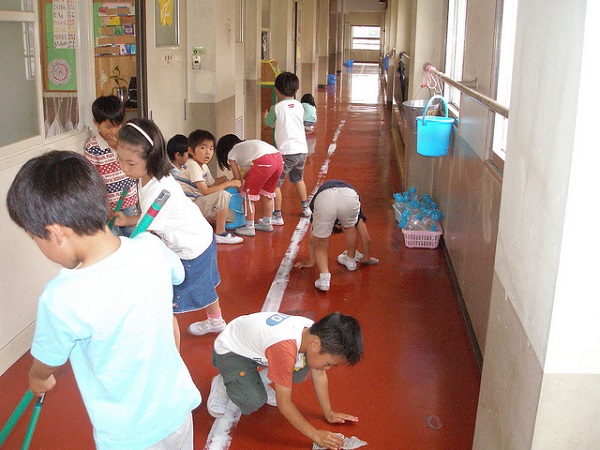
506, 30
85, 74
455, 48
365, 38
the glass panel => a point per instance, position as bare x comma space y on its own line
365, 44
365, 32
16, 5
18, 91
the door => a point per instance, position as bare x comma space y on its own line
165, 66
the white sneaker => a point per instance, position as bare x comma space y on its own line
246, 230
323, 282
271, 395
206, 326
217, 399
261, 226
228, 239
277, 221
357, 255
306, 211
345, 260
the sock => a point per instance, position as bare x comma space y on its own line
326, 276
304, 204
277, 213
214, 318
224, 233
266, 220
250, 223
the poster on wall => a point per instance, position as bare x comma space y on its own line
63, 18
60, 50
166, 23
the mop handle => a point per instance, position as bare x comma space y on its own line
33, 422
151, 213
117, 207
15, 416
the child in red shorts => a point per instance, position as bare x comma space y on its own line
258, 166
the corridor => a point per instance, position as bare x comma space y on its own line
418, 382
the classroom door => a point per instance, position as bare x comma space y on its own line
165, 66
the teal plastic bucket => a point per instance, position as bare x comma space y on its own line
236, 204
331, 78
434, 132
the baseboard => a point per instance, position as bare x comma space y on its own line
463, 308
11, 352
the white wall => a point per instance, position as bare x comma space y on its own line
24, 270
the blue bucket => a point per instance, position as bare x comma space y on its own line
236, 204
434, 132
331, 78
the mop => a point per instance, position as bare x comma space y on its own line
16, 415
117, 208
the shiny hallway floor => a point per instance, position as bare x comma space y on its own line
418, 382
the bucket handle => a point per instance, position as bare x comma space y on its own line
427, 106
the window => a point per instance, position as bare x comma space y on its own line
505, 66
17, 71
366, 38
29, 50
455, 46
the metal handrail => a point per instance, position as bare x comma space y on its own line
485, 101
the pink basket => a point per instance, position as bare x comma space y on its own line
422, 239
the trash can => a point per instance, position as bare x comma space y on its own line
413, 108
331, 78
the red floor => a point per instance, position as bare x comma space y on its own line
418, 382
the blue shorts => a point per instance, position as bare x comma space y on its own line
198, 290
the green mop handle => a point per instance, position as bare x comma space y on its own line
33, 422
15, 416
117, 207
151, 213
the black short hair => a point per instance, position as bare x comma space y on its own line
340, 335
287, 83
308, 98
197, 137
224, 146
178, 144
151, 143
110, 108
58, 187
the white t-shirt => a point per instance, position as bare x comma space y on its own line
114, 321
290, 136
179, 223
251, 335
247, 151
197, 172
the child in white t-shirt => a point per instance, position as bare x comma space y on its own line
213, 199
179, 223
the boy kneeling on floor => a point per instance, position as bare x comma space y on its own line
289, 346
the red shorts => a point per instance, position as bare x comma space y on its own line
263, 176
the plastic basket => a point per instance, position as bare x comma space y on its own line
433, 132
422, 239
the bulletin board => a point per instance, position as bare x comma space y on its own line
58, 51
